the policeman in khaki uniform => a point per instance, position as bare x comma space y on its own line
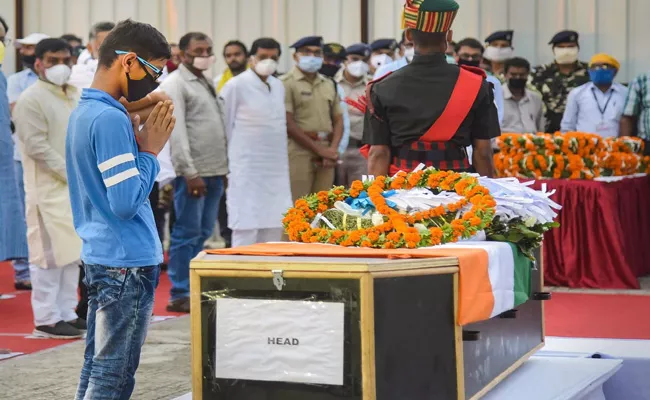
429, 111
353, 78
314, 120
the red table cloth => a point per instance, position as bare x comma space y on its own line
604, 237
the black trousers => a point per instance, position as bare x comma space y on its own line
224, 231
82, 307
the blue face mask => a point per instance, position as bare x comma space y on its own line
450, 59
310, 64
602, 76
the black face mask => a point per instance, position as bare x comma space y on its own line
29, 61
140, 89
519, 83
469, 63
329, 70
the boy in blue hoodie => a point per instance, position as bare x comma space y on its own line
112, 166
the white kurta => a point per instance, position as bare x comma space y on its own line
41, 116
259, 190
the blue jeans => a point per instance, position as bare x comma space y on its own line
120, 302
21, 266
195, 221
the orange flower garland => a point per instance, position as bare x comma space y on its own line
571, 155
436, 226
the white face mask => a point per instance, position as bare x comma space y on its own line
498, 54
266, 67
566, 55
409, 53
378, 60
203, 63
58, 74
358, 69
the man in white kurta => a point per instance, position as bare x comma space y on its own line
41, 115
259, 189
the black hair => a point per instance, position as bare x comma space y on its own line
184, 43
265, 43
403, 37
4, 24
100, 27
428, 39
70, 37
142, 39
173, 44
242, 45
471, 43
52, 45
516, 62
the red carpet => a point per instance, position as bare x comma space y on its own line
567, 315
598, 316
17, 319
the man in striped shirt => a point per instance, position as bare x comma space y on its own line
636, 114
111, 170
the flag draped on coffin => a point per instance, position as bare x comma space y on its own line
494, 277
505, 286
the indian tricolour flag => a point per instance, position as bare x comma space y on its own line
504, 286
494, 277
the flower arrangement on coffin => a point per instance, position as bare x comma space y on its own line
420, 209
571, 155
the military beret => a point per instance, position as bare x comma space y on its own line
383, 44
334, 50
308, 41
360, 49
500, 35
565, 37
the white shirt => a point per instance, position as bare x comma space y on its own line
525, 115
590, 110
259, 187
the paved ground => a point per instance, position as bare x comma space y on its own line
164, 371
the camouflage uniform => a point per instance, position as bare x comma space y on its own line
555, 87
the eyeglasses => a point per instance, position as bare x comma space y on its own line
470, 57
157, 72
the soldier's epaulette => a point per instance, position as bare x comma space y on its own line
285, 76
475, 70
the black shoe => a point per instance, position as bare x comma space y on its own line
23, 285
179, 306
62, 330
79, 323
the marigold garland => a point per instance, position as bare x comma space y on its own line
439, 225
571, 155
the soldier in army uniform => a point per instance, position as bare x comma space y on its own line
430, 111
554, 81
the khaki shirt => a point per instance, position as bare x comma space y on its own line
313, 104
353, 91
